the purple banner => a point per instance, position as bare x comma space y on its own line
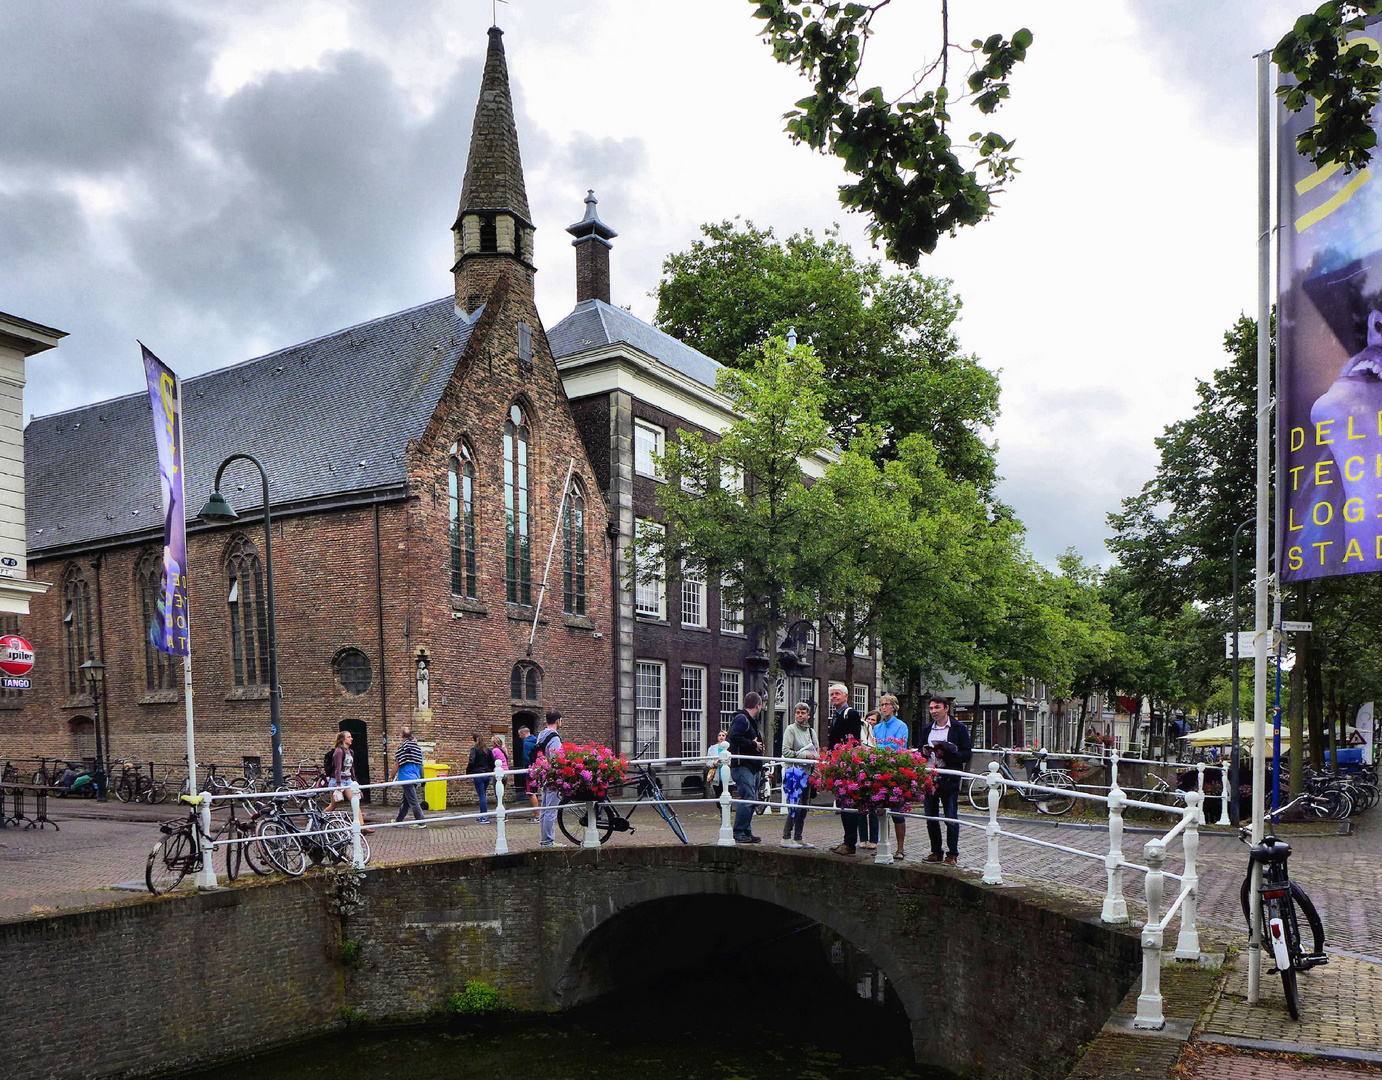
1329, 332
168, 630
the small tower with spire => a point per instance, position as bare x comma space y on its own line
592, 246
493, 230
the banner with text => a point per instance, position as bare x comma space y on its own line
168, 630
1329, 331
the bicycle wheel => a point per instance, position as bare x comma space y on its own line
1273, 910
282, 847
253, 851
670, 816
168, 862
1051, 803
979, 794
605, 816
234, 849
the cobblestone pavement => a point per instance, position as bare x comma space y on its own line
1204, 1062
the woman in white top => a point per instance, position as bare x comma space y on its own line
798, 744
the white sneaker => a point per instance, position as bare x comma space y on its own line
805, 844
792, 843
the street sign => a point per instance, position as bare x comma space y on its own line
1296, 627
1246, 639
16, 656
10, 683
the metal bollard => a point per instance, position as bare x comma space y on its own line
501, 839
1188, 940
1149, 1015
1115, 905
357, 853
1223, 802
726, 827
206, 876
993, 870
592, 835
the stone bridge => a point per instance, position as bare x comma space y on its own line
997, 981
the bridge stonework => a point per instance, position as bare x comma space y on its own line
998, 982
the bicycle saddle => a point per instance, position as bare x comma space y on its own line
1271, 850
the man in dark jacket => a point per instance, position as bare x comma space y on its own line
946, 742
746, 748
845, 724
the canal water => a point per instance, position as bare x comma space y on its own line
803, 1007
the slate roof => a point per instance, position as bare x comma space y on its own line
493, 168
329, 417
595, 323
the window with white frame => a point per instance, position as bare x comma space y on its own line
692, 710
650, 590
731, 609
692, 594
648, 708
731, 478
861, 697
731, 695
648, 441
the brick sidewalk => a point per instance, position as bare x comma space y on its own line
1204, 1062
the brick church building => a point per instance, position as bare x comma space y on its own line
421, 468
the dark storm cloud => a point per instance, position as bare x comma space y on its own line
92, 85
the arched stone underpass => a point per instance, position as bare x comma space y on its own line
999, 981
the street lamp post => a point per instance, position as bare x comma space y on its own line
218, 511
1234, 753
94, 671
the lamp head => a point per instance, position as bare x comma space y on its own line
217, 509
93, 670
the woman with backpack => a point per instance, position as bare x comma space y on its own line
480, 766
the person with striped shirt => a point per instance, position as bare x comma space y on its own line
408, 758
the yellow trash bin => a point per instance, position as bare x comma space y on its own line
434, 791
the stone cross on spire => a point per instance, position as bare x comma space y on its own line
493, 229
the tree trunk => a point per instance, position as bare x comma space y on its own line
1295, 716
849, 652
1314, 700
975, 721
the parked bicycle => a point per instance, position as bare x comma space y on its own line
572, 818
308, 775
1283, 901
1038, 772
184, 847
291, 838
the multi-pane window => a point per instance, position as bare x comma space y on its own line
525, 344
692, 594
647, 448
518, 563
731, 609
76, 619
799, 689
649, 591
692, 710
573, 552
861, 697
731, 478
648, 705
249, 626
731, 695
353, 671
158, 667
525, 681
461, 487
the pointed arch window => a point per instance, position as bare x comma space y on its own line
573, 551
518, 565
249, 625
158, 668
525, 682
461, 486
76, 621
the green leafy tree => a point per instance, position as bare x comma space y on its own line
887, 342
912, 181
1341, 82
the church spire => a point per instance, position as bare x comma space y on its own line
493, 230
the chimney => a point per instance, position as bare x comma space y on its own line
592, 246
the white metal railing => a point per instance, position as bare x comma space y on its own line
1114, 910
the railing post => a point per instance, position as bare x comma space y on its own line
726, 827
884, 855
1188, 940
1149, 1014
357, 853
592, 835
206, 876
1115, 905
501, 839
1199, 777
993, 870
1223, 802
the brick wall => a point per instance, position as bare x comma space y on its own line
995, 981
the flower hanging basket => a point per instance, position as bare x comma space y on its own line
580, 773
876, 778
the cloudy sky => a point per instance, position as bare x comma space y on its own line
221, 180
